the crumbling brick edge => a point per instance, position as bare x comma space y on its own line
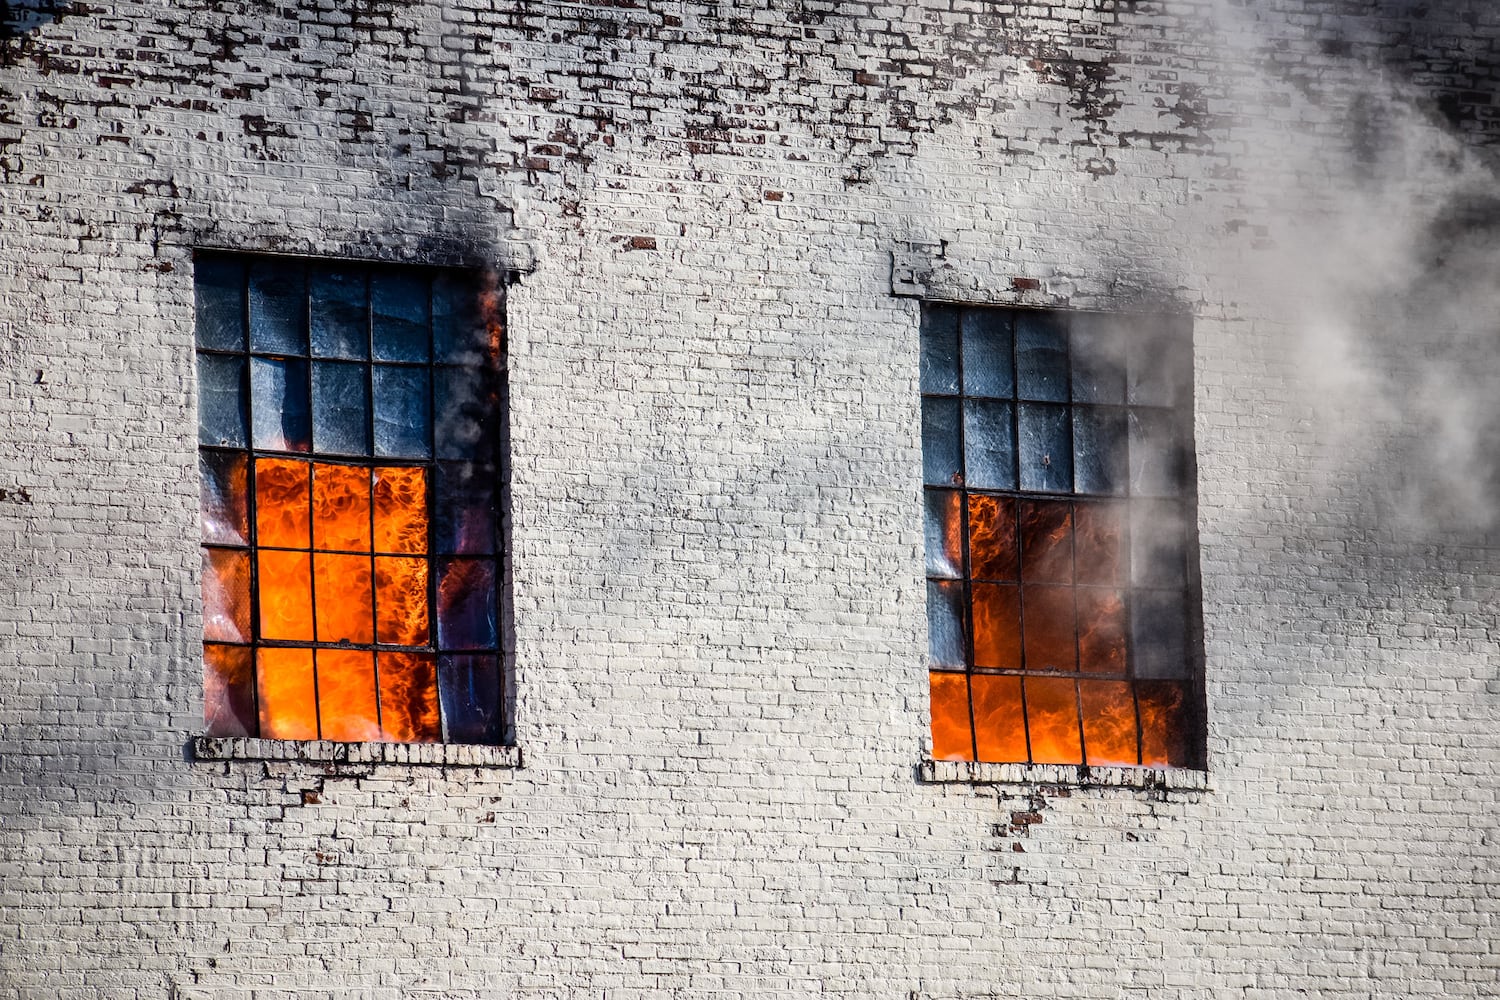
330, 752
937, 772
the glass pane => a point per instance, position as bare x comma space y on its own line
1045, 450
401, 601
1097, 355
1101, 631
278, 400
341, 508
408, 698
1158, 634
282, 501
997, 625
989, 369
943, 529
1159, 367
1158, 544
992, 538
226, 595
347, 707
951, 735
341, 408
1109, 736
1041, 357
228, 691
1099, 456
999, 727
345, 609
1046, 541
940, 456
286, 693
469, 689
1158, 463
989, 445
284, 580
399, 301
465, 509
219, 294
340, 313
466, 604
402, 429
458, 331
223, 497
1048, 628
1052, 720
278, 320
221, 402
464, 414
1099, 541
940, 349
945, 624
1166, 724
400, 509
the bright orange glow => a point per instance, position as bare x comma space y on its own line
1052, 720
281, 503
400, 509
1163, 724
408, 698
1049, 628
284, 682
345, 611
1099, 543
1108, 722
401, 600
228, 708
950, 717
992, 538
346, 695
997, 625
226, 595
285, 596
1101, 631
999, 728
1046, 541
492, 315
341, 508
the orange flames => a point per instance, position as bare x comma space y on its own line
1052, 720
408, 697
998, 724
950, 717
1108, 722
992, 537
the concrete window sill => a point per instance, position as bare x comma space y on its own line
939, 772
329, 752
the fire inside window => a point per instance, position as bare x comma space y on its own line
351, 461
1062, 587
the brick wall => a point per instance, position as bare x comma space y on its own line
719, 626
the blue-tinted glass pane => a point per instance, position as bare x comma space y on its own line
940, 349
1097, 355
399, 301
341, 408
221, 401
945, 624
464, 413
940, 456
402, 428
278, 308
469, 690
1158, 634
1099, 456
989, 369
1158, 461
466, 604
1045, 450
1158, 543
279, 405
459, 332
465, 508
219, 291
340, 314
943, 529
989, 445
1041, 357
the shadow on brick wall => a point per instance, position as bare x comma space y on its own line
18, 17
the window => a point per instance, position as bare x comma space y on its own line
351, 462
1062, 588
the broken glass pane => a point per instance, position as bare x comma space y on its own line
341, 507
278, 308
1041, 357
466, 604
989, 369
458, 333
402, 428
1158, 543
219, 293
1166, 723
401, 601
1159, 369
340, 313
1101, 631
952, 738
1109, 736
347, 707
463, 409
1046, 452
287, 694
221, 401
465, 509
1097, 355
341, 408
284, 580
223, 497
1158, 634
1048, 628
228, 691
281, 503
1046, 541
940, 456
1158, 465
999, 727
469, 689
226, 595
945, 624
989, 445
1099, 540
1099, 457
399, 301
279, 404
997, 625
1052, 720
345, 610
940, 350
408, 698
992, 538
943, 528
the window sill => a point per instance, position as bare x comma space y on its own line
941, 772
329, 752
